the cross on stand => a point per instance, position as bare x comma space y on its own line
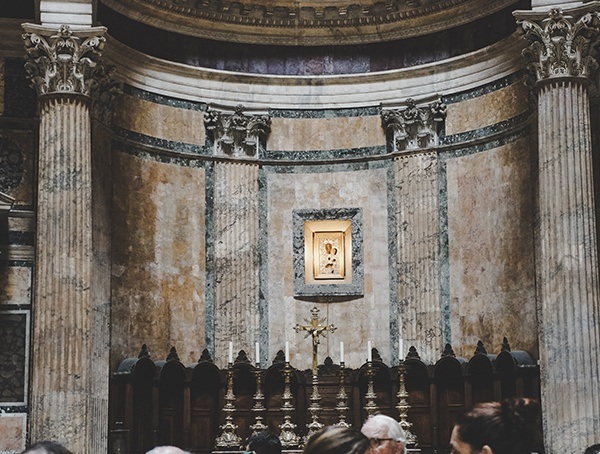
315, 329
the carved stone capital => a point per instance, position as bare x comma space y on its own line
63, 60
236, 135
415, 127
561, 43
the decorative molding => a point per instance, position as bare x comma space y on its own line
108, 90
224, 89
307, 23
562, 43
415, 127
64, 61
236, 134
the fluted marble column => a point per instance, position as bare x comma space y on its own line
567, 259
63, 67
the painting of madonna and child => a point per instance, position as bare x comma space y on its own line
328, 255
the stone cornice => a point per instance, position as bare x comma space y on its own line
64, 60
561, 43
259, 93
308, 22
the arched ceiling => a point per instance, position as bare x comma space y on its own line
306, 22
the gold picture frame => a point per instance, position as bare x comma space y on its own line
328, 249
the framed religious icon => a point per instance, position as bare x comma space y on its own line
328, 252
328, 255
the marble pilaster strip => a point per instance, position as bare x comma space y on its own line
417, 221
236, 223
60, 391
568, 269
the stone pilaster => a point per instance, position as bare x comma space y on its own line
416, 181
568, 303
236, 256
67, 404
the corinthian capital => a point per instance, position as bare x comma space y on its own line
561, 43
63, 60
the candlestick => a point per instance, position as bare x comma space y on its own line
341, 352
256, 353
287, 352
230, 356
369, 352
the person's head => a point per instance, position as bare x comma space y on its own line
46, 447
264, 443
167, 450
337, 440
506, 427
385, 434
594, 449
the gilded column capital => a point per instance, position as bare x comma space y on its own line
64, 60
561, 43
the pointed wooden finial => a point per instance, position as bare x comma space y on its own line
172, 356
144, 352
205, 356
505, 345
448, 351
413, 353
480, 350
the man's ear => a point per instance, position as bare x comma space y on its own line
486, 450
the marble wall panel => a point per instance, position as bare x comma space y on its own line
13, 432
17, 164
491, 249
160, 120
2, 66
487, 109
15, 285
236, 257
13, 357
358, 318
303, 134
158, 273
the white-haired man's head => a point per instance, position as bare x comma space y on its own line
167, 450
385, 434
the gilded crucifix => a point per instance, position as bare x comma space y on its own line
315, 328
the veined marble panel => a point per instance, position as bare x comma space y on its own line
488, 109
236, 257
15, 285
302, 134
158, 258
17, 173
13, 432
491, 249
1, 86
160, 120
358, 318
417, 224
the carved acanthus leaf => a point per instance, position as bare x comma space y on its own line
236, 134
64, 62
415, 127
561, 45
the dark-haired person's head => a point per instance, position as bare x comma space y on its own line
506, 427
264, 443
594, 449
46, 447
337, 440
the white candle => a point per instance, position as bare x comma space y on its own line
287, 352
256, 353
401, 349
369, 352
341, 352
230, 357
